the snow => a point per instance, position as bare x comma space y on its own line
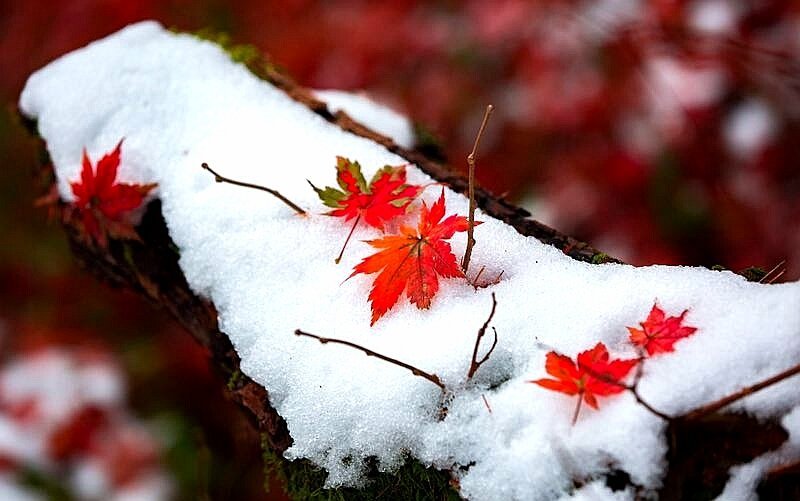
376, 116
180, 101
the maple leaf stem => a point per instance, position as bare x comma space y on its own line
433, 378
577, 408
713, 407
341, 253
222, 179
471, 188
475, 364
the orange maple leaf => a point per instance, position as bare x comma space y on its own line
386, 197
594, 374
413, 261
101, 201
659, 333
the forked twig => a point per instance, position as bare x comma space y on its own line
475, 363
433, 378
713, 407
471, 164
222, 179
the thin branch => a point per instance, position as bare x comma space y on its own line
433, 378
486, 403
713, 407
475, 364
475, 281
221, 179
773, 270
633, 388
471, 164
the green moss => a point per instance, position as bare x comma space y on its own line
601, 257
245, 54
303, 480
753, 274
234, 379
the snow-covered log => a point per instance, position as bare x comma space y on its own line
242, 272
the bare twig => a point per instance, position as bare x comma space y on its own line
221, 179
633, 388
713, 407
433, 378
486, 403
475, 364
773, 270
475, 281
471, 164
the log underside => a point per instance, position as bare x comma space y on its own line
700, 452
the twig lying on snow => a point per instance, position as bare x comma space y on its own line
475, 364
433, 378
221, 179
471, 188
713, 407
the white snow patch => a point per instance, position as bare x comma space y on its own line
180, 101
374, 115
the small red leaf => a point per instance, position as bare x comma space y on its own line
658, 334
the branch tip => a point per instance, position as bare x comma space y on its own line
275, 193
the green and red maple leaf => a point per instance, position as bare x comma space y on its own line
101, 201
413, 261
383, 199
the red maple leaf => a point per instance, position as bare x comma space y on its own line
386, 197
594, 374
413, 261
101, 201
658, 334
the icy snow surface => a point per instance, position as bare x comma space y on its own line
179, 101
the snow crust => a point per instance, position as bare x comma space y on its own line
179, 101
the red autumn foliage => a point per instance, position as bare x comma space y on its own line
101, 201
659, 333
595, 374
77, 435
413, 261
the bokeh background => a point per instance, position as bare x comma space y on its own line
661, 131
